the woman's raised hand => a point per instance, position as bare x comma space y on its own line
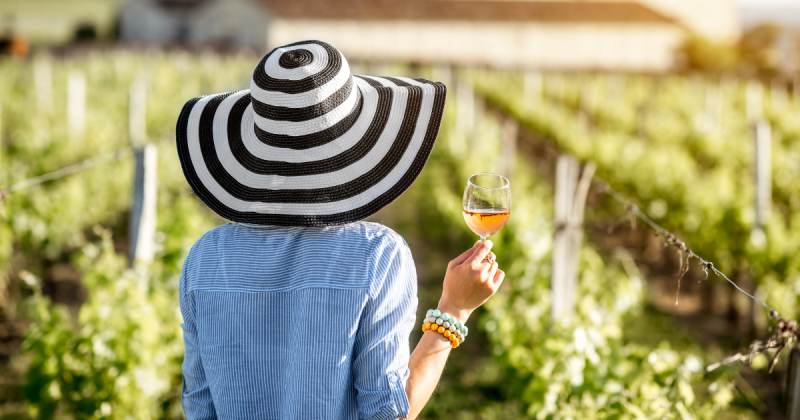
471, 279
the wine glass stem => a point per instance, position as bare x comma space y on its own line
483, 239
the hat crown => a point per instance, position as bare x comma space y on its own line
293, 59
302, 88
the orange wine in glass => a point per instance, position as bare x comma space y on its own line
487, 203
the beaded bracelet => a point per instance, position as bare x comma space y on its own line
453, 329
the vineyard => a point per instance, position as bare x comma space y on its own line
85, 336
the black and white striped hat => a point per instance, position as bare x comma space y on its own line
309, 144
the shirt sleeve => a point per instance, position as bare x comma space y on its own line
196, 395
381, 352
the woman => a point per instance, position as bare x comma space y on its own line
300, 311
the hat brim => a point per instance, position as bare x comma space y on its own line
349, 177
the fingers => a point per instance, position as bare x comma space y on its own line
490, 257
492, 272
463, 257
481, 251
497, 279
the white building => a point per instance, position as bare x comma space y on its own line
219, 23
628, 35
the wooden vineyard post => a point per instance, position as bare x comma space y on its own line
754, 94
143, 213
465, 119
76, 104
763, 140
793, 385
570, 203
43, 84
465, 109
137, 113
566, 182
510, 130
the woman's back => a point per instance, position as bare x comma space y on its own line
298, 322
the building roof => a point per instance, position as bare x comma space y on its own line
179, 4
469, 10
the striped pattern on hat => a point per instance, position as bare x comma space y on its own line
308, 144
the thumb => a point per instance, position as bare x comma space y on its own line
481, 252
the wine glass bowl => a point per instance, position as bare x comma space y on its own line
487, 203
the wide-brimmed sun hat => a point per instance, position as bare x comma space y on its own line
308, 144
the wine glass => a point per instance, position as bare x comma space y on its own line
487, 203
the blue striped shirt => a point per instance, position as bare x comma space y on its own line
297, 323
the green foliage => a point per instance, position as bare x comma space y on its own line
46, 219
122, 359
119, 356
685, 149
582, 367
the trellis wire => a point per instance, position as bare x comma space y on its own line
68, 170
786, 332
666, 234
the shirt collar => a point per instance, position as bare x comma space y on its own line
253, 225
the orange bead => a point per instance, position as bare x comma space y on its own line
441, 330
447, 333
456, 344
427, 325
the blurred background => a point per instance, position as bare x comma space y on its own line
689, 108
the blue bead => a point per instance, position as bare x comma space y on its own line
453, 320
445, 316
429, 313
437, 313
460, 325
466, 331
